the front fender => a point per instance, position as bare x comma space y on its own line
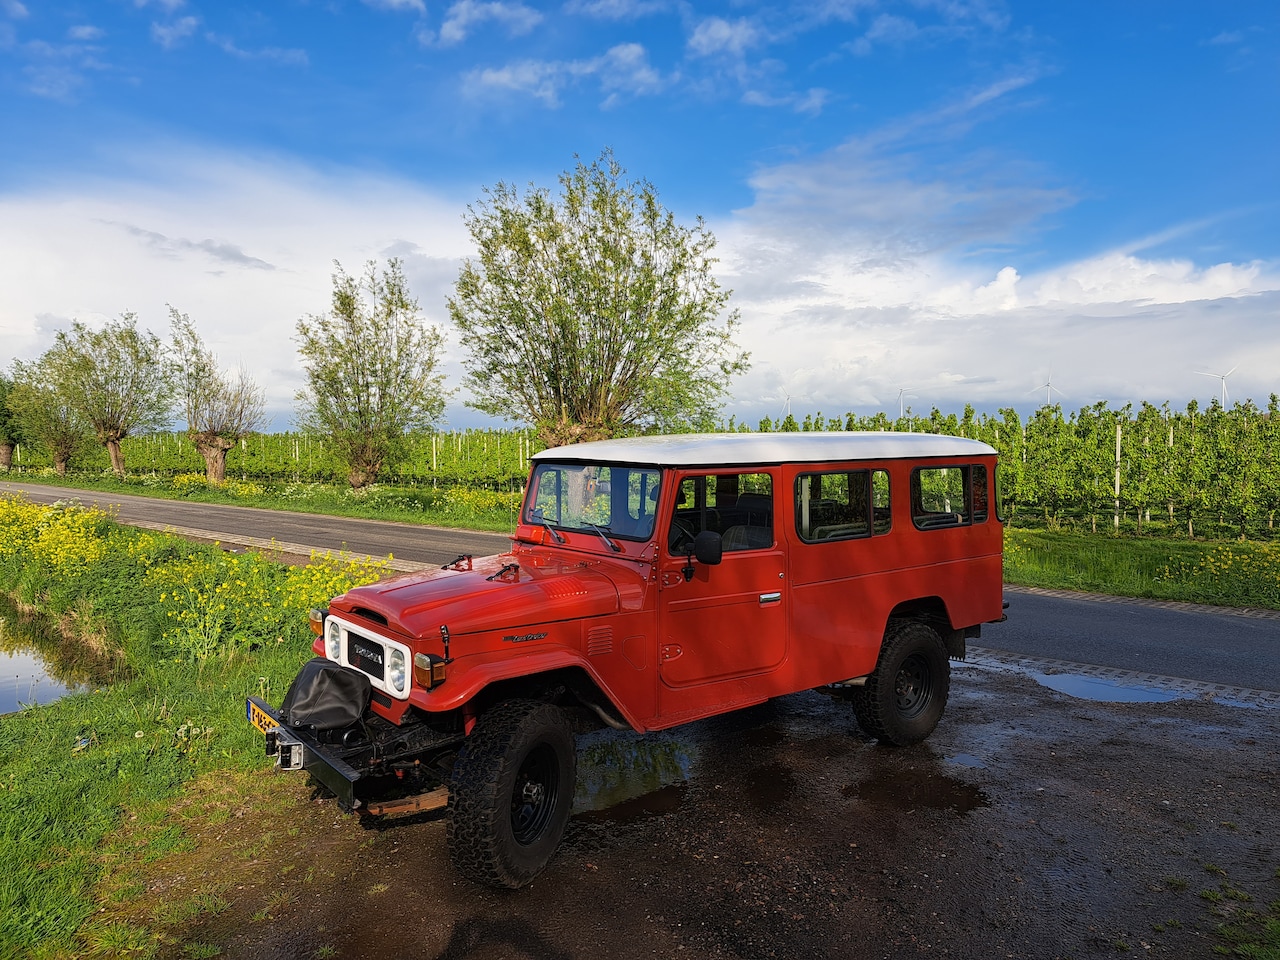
467, 676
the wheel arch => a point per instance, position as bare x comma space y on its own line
932, 612
570, 685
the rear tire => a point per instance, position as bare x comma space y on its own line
902, 701
511, 793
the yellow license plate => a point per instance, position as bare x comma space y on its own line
260, 718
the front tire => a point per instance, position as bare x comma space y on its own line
902, 701
511, 793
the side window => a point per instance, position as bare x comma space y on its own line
1003, 478
842, 506
979, 474
738, 506
940, 497
881, 515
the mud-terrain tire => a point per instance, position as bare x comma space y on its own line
903, 700
511, 793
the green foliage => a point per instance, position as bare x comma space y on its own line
69, 769
11, 431
117, 378
1240, 574
593, 313
219, 410
42, 414
371, 370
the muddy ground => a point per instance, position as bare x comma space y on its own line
1032, 824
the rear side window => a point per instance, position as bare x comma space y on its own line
842, 506
948, 496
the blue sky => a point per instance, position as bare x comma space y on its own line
952, 200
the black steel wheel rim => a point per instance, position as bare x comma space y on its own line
913, 687
534, 795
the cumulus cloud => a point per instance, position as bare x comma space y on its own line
245, 247
464, 15
716, 36
868, 268
169, 35
85, 32
621, 71
14, 9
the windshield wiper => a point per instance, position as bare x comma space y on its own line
603, 536
555, 534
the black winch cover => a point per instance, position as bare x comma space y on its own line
326, 696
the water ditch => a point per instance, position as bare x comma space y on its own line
31, 669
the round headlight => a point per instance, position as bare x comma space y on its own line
395, 669
333, 641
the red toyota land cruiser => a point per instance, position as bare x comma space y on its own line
651, 581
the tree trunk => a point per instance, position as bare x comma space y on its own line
117, 457
6, 456
60, 465
214, 451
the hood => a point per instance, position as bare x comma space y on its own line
491, 596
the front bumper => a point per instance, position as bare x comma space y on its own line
294, 749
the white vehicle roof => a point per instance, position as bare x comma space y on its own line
744, 449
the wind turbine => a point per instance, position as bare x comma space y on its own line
1223, 378
902, 410
1049, 389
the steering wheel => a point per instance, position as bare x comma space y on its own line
681, 537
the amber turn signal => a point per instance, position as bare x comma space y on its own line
428, 670
315, 619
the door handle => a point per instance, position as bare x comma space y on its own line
771, 597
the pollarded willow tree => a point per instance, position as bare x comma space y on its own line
370, 364
593, 313
46, 416
116, 377
219, 408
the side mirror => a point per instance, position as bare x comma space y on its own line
708, 547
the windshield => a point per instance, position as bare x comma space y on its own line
620, 500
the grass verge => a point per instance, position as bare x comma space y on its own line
183, 633
1224, 573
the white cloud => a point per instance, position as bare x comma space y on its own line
811, 102
169, 35
245, 247
617, 9
53, 81
397, 6
621, 71
84, 32
14, 9
715, 36
867, 268
292, 57
167, 5
464, 15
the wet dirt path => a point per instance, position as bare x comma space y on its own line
1032, 824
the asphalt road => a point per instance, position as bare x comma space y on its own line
1193, 643
418, 544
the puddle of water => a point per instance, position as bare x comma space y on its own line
25, 678
1102, 689
625, 776
912, 788
967, 760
